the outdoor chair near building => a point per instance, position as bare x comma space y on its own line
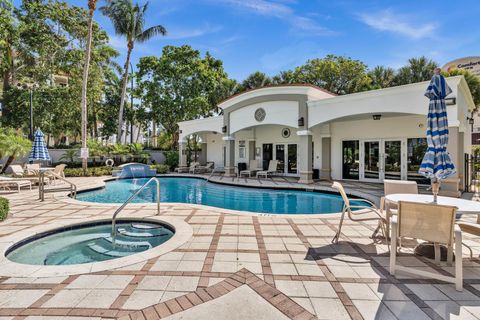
18, 172
6, 183
432, 223
187, 169
32, 169
392, 187
252, 169
272, 169
203, 169
470, 228
58, 171
366, 212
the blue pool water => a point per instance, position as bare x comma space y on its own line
90, 243
199, 191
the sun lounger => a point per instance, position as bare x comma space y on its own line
272, 169
7, 182
252, 168
204, 169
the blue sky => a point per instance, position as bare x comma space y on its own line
275, 35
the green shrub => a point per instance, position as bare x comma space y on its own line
4, 207
171, 159
95, 172
161, 168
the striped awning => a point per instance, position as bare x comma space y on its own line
39, 148
437, 163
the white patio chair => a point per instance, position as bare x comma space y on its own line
367, 212
432, 223
203, 169
392, 187
272, 169
58, 171
7, 182
252, 168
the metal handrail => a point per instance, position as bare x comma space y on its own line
114, 217
41, 186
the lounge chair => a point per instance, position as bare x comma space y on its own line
192, 167
252, 168
32, 169
58, 171
204, 169
392, 187
272, 169
18, 172
7, 182
433, 223
367, 212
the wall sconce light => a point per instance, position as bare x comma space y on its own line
471, 121
224, 129
376, 116
179, 131
451, 101
301, 122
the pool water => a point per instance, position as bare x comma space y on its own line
200, 191
90, 243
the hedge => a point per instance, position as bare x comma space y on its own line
161, 168
95, 172
4, 208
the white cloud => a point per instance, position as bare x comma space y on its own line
307, 24
263, 7
184, 33
388, 21
290, 56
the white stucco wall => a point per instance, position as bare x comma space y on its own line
214, 148
277, 112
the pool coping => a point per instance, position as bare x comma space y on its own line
64, 197
183, 233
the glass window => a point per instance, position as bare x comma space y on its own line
416, 148
280, 157
292, 158
393, 160
351, 159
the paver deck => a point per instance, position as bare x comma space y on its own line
238, 265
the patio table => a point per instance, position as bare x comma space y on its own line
463, 207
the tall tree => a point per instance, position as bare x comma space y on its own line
128, 20
337, 74
92, 5
256, 80
382, 77
417, 70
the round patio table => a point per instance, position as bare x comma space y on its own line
463, 207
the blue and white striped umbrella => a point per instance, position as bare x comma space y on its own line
39, 148
436, 163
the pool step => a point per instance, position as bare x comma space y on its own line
142, 226
112, 253
129, 244
145, 234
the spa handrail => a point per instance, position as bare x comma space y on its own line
114, 217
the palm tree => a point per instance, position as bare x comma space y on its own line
92, 5
128, 20
417, 70
14, 146
382, 77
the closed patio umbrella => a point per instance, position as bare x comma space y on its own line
436, 163
39, 148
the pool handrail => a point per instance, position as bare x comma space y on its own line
114, 217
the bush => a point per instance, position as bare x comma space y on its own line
161, 168
171, 159
95, 172
4, 207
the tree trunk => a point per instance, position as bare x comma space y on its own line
124, 93
92, 6
8, 163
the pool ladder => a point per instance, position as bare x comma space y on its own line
114, 217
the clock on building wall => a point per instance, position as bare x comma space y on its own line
260, 114
285, 132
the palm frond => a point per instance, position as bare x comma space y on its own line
151, 32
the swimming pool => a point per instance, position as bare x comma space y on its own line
200, 191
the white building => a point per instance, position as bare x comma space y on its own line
367, 136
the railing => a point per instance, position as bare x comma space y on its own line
114, 217
41, 185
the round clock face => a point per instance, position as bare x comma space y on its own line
285, 132
260, 114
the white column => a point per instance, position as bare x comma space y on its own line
304, 156
229, 156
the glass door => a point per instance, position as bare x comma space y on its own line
280, 157
370, 170
350, 159
392, 158
292, 159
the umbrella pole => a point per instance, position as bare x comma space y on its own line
435, 189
